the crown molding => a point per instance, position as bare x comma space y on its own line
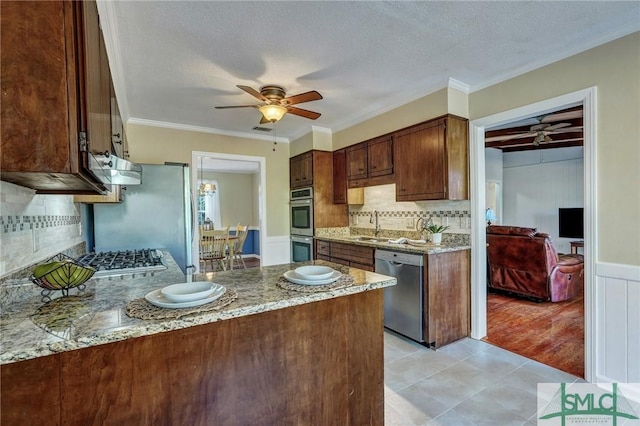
201, 129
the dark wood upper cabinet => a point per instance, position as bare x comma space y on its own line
55, 95
301, 170
340, 176
357, 161
431, 161
380, 156
370, 162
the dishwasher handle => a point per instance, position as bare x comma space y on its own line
398, 258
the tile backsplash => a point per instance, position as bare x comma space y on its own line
35, 227
402, 216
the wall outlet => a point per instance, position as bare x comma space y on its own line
410, 223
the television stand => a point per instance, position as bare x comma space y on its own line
575, 245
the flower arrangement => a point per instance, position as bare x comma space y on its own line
436, 229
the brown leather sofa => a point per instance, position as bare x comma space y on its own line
524, 262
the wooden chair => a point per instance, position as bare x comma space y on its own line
212, 248
241, 236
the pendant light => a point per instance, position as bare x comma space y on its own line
205, 188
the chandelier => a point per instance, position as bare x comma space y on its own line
205, 188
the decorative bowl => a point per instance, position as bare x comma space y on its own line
188, 292
61, 273
314, 272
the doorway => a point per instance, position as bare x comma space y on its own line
586, 98
226, 164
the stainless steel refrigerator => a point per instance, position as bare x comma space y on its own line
155, 214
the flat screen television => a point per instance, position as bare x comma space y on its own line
571, 222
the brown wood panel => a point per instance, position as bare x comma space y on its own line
326, 214
353, 253
380, 156
30, 392
420, 162
323, 247
301, 170
340, 261
457, 158
319, 363
447, 296
361, 266
357, 161
340, 176
365, 342
34, 87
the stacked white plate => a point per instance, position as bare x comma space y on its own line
186, 295
312, 275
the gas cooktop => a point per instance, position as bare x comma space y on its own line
125, 262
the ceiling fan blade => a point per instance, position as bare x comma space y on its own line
303, 113
568, 129
237, 106
302, 97
561, 116
509, 137
253, 92
556, 126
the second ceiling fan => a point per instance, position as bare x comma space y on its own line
276, 104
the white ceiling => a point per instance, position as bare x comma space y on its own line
173, 61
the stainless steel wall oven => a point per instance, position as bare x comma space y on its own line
301, 213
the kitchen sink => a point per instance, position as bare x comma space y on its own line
370, 239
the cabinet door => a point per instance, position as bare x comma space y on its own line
301, 170
380, 156
117, 128
340, 177
420, 162
357, 161
98, 83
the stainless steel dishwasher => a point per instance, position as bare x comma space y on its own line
403, 302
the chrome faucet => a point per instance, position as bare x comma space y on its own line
377, 227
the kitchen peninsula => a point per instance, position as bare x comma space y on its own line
272, 356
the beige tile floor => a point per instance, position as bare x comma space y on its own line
468, 382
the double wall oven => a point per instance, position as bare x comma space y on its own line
301, 213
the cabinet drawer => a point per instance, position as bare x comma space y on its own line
340, 261
323, 247
353, 253
361, 266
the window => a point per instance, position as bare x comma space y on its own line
209, 205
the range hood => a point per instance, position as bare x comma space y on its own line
112, 170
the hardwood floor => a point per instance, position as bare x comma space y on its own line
551, 333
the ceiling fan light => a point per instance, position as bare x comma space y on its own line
273, 113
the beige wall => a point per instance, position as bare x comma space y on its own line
156, 145
238, 203
615, 69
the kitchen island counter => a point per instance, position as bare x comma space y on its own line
97, 315
272, 356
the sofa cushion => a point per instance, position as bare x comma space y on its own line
511, 230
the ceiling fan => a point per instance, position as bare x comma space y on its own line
275, 105
540, 132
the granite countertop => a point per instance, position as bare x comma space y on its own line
384, 243
97, 315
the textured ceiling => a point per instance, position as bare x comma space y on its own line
174, 61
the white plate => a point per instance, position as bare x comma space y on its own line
294, 278
156, 298
188, 292
314, 272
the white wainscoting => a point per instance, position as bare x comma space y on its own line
277, 250
617, 319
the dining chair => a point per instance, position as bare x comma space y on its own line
240, 237
212, 248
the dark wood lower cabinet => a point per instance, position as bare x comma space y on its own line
447, 303
316, 364
346, 254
